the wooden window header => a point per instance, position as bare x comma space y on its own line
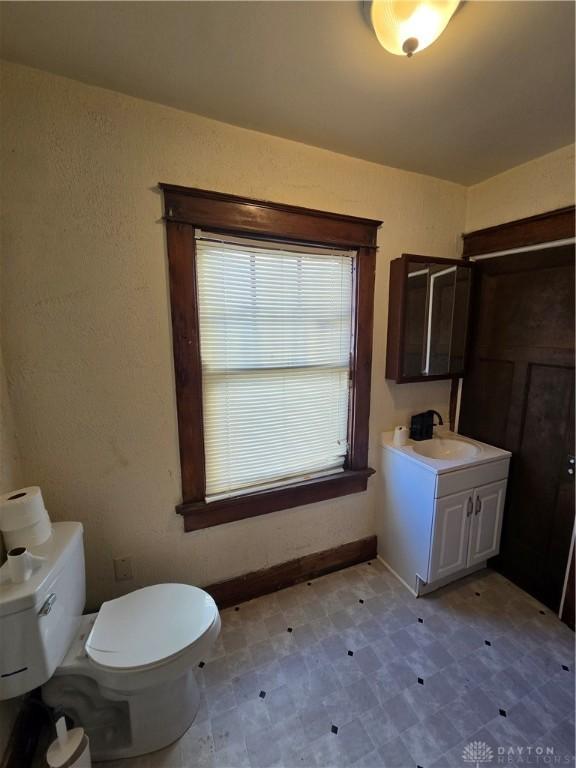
228, 213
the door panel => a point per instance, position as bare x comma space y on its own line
489, 387
540, 515
450, 536
518, 394
486, 522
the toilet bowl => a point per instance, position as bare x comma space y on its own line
128, 676
126, 673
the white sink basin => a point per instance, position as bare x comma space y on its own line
446, 448
446, 452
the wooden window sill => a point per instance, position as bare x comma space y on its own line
199, 514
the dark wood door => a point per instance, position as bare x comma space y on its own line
518, 394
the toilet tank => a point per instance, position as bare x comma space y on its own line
39, 618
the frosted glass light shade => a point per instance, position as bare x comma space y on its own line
405, 27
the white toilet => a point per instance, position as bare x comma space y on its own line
126, 673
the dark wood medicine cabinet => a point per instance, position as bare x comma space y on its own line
427, 318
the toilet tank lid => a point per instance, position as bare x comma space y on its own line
150, 625
32, 593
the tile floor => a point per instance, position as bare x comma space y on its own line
351, 670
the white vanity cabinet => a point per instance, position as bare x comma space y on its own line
440, 516
466, 529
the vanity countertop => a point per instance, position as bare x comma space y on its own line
447, 451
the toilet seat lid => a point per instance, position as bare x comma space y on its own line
150, 625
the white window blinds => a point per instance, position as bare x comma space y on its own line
275, 339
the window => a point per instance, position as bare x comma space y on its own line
272, 333
275, 334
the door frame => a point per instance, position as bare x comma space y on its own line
543, 230
566, 613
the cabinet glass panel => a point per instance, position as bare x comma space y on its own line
415, 324
436, 316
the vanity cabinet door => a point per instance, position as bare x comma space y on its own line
486, 522
450, 535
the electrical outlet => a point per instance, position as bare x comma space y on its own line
123, 568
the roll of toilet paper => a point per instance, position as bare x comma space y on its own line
24, 520
400, 436
22, 508
71, 749
31, 536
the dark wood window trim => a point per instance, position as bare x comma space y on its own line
186, 209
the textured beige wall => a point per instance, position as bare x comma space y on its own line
10, 460
10, 464
542, 185
87, 321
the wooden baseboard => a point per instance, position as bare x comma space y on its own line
277, 577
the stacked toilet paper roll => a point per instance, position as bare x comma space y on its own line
24, 521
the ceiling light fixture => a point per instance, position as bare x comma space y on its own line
404, 27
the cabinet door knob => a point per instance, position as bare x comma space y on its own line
469, 509
478, 505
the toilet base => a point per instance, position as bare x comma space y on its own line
126, 724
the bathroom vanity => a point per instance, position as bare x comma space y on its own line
441, 508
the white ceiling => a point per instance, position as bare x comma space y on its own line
496, 90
